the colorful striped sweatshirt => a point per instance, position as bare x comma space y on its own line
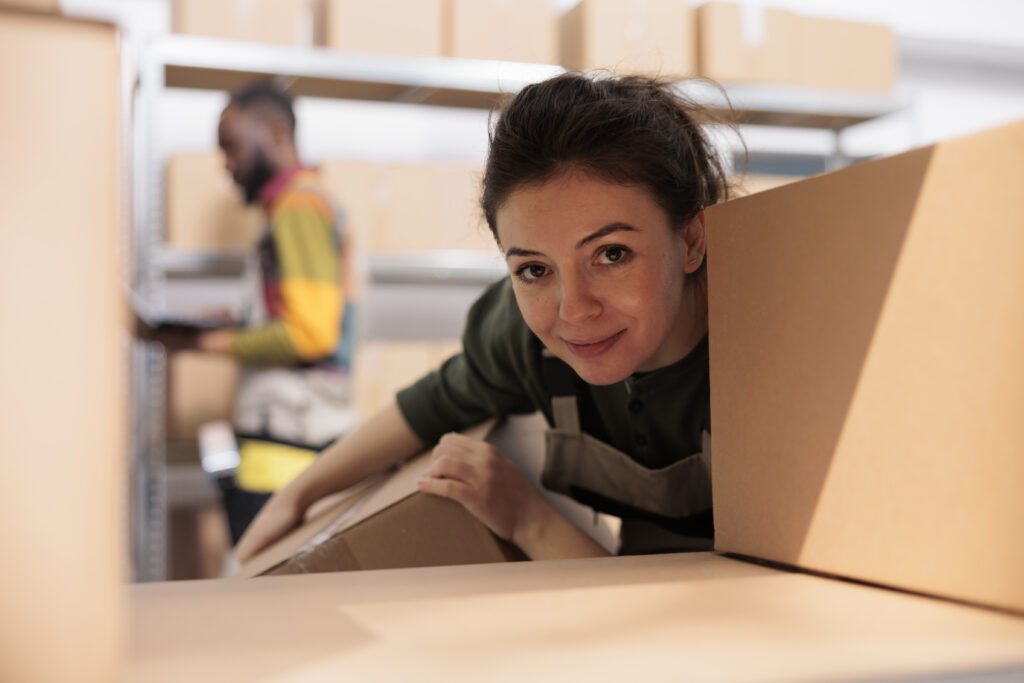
300, 263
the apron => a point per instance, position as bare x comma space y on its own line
662, 510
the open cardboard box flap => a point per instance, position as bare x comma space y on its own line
385, 523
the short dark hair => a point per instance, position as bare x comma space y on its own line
268, 97
634, 130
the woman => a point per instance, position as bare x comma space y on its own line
595, 189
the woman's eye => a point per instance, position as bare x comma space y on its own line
531, 272
612, 254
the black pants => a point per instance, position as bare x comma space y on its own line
241, 506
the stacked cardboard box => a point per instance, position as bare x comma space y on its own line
203, 207
382, 368
52, 6
200, 389
866, 336
288, 22
375, 27
653, 37
409, 207
519, 31
740, 44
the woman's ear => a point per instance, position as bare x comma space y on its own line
695, 238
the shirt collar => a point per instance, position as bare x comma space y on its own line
273, 188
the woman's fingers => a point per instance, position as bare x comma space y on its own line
449, 488
452, 466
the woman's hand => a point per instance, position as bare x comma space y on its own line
475, 474
280, 515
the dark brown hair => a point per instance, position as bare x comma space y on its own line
632, 130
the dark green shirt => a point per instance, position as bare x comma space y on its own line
655, 417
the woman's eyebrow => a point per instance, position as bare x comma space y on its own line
597, 234
606, 230
516, 251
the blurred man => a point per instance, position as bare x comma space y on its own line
294, 387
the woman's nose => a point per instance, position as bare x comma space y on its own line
579, 300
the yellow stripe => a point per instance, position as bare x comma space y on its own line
312, 315
292, 201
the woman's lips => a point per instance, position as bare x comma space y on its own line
594, 349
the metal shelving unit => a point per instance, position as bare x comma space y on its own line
177, 61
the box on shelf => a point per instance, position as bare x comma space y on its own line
358, 26
657, 37
51, 6
204, 208
200, 388
519, 31
382, 368
739, 44
288, 22
395, 207
875, 433
199, 542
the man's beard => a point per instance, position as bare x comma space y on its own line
258, 174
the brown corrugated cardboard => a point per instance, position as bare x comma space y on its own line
866, 365
739, 44
289, 22
386, 525
652, 36
63, 361
752, 183
204, 208
407, 207
358, 26
519, 31
200, 388
650, 618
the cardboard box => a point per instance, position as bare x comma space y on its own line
386, 524
382, 368
204, 208
739, 44
866, 336
409, 207
657, 37
515, 31
287, 22
51, 6
200, 388
63, 351
373, 27
752, 183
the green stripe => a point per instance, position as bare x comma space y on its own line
304, 239
269, 344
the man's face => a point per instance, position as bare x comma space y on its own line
244, 139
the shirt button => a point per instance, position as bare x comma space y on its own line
636, 405
641, 440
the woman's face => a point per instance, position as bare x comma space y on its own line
598, 275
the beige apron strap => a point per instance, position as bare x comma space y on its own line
567, 418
